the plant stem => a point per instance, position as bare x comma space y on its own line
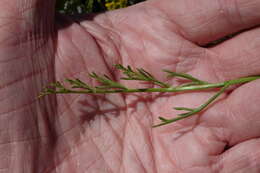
170, 89
209, 101
192, 111
108, 86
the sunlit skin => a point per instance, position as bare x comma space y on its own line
112, 133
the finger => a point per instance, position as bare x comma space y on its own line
238, 57
203, 21
237, 115
244, 157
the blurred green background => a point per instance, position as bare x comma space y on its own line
88, 6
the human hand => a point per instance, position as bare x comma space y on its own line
112, 133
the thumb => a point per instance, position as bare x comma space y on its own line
26, 46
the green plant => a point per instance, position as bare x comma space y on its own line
108, 85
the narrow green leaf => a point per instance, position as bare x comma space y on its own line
183, 109
163, 119
185, 76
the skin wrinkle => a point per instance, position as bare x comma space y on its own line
152, 12
178, 29
23, 136
21, 57
137, 155
114, 131
138, 159
181, 31
119, 39
217, 70
68, 107
223, 159
215, 63
209, 158
206, 23
77, 144
248, 53
218, 135
11, 111
224, 5
68, 71
56, 166
199, 139
151, 149
149, 137
232, 116
10, 22
14, 34
226, 12
125, 146
223, 9
61, 161
107, 164
167, 154
24, 140
117, 137
125, 125
68, 104
100, 153
143, 43
213, 157
178, 56
232, 143
255, 158
36, 122
64, 132
107, 25
72, 127
115, 39
74, 75
107, 66
238, 13
240, 57
181, 59
59, 60
78, 50
23, 78
102, 56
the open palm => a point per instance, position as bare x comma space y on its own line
112, 133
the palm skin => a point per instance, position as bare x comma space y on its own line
112, 133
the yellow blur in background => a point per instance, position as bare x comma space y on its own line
115, 4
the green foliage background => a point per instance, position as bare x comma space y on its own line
88, 6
